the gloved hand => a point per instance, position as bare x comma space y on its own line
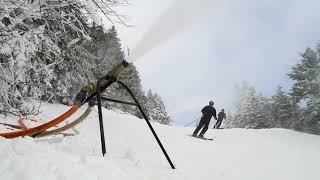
80, 98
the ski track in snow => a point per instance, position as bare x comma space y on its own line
133, 154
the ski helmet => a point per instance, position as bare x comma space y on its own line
211, 103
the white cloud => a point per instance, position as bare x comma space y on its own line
256, 41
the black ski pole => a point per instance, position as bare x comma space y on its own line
191, 122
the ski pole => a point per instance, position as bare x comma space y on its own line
191, 122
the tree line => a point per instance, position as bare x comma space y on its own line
297, 109
49, 49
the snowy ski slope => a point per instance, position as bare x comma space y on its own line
133, 154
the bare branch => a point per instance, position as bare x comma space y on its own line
106, 7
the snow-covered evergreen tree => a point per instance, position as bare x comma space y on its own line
252, 111
156, 109
105, 46
27, 56
307, 87
245, 96
132, 79
264, 114
228, 123
66, 24
284, 110
305, 75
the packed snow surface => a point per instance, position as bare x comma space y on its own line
133, 154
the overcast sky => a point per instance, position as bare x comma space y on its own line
191, 51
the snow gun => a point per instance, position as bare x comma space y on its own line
90, 90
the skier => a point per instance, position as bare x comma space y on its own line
221, 116
207, 113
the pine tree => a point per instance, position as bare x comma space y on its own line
27, 57
305, 76
284, 110
156, 109
307, 87
228, 123
264, 115
252, 111
245, 98
106, 47
47, 39
132, 79
67, 26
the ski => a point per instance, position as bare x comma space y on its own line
208, 139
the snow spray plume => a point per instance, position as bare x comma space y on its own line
183, 14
